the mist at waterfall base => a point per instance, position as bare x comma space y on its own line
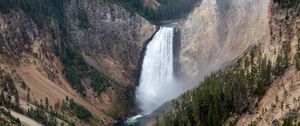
157, 82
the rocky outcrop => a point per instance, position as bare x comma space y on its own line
153, 4
218, 31
111, 39
22, 43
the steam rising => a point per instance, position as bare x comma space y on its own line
157, 83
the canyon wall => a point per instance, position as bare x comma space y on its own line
110, 38
218, 31
281, 100
107, 36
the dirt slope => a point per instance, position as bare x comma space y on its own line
281, 98
25, 120
41, 87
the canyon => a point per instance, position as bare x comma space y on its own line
97, 62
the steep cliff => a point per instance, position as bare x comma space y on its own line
261, 87
218, 31
46, 61
32, 72
280, 104
110, 38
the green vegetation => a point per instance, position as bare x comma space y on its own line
99, 81
297, 59
225, 92
168, 10
40, 11
286, 3
47, 9
290, 122
8, 93
234, 90
282, 60
82, 17
13, 120
41, 116
281, 65
297, 56
173, 9
76, 70
228, 92
47, 114
80, 112
9, 98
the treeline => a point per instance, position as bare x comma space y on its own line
42, 12
12, 121
9, 96
42, 117
75, 68
48, 115
287, 3
297, 57
9, 99
42, 111
168, 10
45, 9
38, 10
45, 113
174, 9
227, 92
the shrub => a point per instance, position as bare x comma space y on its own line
80, 112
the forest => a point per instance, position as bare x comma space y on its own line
43, 9
286, 3
168, 9
233, 90
35, 9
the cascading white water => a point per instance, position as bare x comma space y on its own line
157, 83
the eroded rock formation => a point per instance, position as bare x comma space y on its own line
218, 31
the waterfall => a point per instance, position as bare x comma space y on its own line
157, 83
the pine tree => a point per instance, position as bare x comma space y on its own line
28, 96
47, 103
2, 98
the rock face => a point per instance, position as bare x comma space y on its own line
281, 100
218, 31
110, 38
22, 43
27, 58
153, 4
